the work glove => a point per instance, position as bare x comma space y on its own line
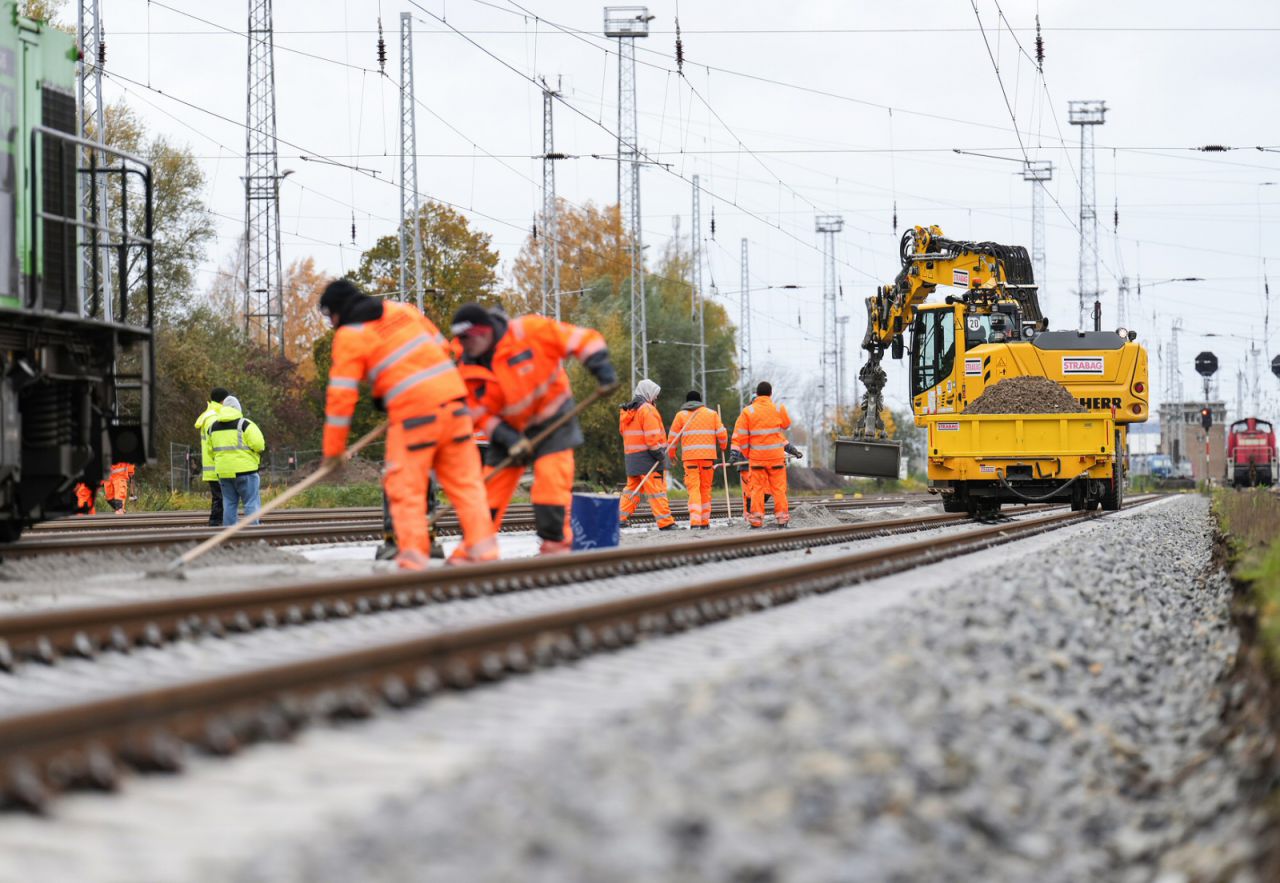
518, 447
659, 456
521, 452
793, 451
735, 456
379, 405
601, 368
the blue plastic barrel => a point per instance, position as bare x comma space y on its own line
594, 518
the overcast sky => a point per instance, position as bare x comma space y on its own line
784, 112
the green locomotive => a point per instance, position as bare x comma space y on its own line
76, 356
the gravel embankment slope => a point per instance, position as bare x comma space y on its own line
1054, 720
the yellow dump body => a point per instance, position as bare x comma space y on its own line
1020, 447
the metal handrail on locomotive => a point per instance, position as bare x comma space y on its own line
990, 330
1251, 453
76, 310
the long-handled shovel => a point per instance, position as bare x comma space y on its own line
600, 392
728, 500
227, 533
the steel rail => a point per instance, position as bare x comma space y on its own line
85, 744
285, 532
188, 518
84, 630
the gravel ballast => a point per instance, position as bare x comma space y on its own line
1025, 395
1046, 710
1056, 721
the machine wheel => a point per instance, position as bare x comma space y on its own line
10, 531
952, 503
1113, 499
1077, 498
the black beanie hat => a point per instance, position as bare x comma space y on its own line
468, 316
338, 297
218, 394
764, 389
693, 396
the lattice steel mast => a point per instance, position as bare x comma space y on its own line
1038, 173
550, 226
410, 223
744, 331
829, 226
1087, 115
92, 122
264, 305
695, 262
626, 23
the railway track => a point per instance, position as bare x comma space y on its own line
87, 743
297, 527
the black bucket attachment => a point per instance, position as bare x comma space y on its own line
869, 458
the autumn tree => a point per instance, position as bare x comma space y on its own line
303, 323
202, 349
181, 223
457, 264
591, 246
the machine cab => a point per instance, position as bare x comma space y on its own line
942, 335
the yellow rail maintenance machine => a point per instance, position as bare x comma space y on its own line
989, 330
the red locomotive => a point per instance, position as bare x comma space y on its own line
1251, 453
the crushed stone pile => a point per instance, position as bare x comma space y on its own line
1025, 395
805, 478
809, 515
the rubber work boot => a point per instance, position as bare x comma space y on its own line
555, 547
412, 559
670, 527
437, 550
388, 550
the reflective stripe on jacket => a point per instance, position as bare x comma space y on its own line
403, 355
643, 438
527, 385
206, 418
758, 434
236, 442
703, 433
116, 487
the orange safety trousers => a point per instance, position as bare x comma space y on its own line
441, 439
699, 479
551, 495
654, 491
769, 479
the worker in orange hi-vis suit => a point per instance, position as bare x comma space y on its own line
84, 499
526, 388
403, 355
701, 435
758, 436
644, 444
116, 486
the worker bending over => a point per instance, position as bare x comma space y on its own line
403, 355
644, 443
701, 435
518, 388
116, 486
758, 437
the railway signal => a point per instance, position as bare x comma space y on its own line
1206, 418
1207, 364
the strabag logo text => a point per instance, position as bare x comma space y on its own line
1082, 365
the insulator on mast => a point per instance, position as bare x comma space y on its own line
1039, 47
679, 50
382, 49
